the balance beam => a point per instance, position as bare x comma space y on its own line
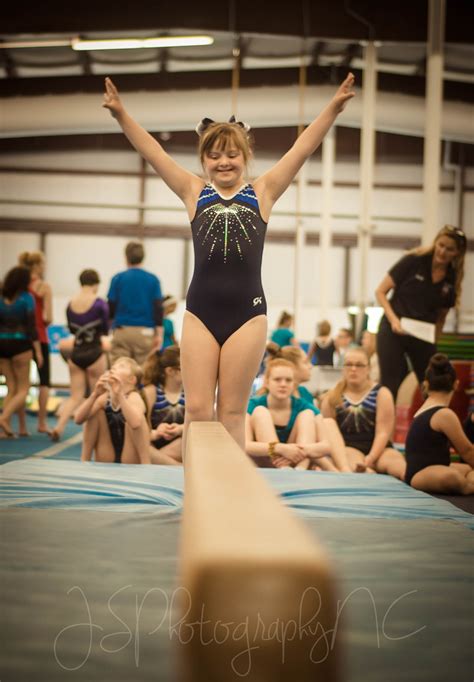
257, 592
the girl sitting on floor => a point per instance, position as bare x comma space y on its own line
114, 417
327, 427
165, 401
434, 428
281, 430
365, 414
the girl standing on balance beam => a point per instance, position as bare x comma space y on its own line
225, 324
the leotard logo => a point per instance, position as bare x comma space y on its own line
257, 300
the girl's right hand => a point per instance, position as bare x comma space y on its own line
101, 385
112, 101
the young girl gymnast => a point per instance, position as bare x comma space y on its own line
281, 429
327, 428
225, 324
114, 417
434, 428
165, 402
365, 414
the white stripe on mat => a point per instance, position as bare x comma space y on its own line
59, 447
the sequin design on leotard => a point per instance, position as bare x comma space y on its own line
357, 421
228, 235
224, 225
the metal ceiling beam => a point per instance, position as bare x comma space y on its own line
404, 20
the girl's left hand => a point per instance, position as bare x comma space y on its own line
344, 93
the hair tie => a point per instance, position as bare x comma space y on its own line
204, 124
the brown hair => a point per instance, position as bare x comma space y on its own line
285, 318
440, 375
458, 236
223, 136
134, 253
17, 280
324, 328
335, 394
89, 278
291, 353
156, 364
28, 259
134, 367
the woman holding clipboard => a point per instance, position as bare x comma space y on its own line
425, 284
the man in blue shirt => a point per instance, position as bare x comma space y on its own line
135, 304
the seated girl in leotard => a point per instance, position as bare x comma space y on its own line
327, 427
225, 324
281, 430
165, 401
434, 429
88, 319
114, 417
365, 414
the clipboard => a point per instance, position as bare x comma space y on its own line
425, 331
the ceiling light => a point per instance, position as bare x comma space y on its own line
18, 44
139, 43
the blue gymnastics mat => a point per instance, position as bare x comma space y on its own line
43, 483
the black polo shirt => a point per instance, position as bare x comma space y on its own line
415, 295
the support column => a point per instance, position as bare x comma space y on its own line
434, 100
327, 182
367, 159
300, 236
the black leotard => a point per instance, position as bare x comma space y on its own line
165, 412
228, 234
116, 424
424, 446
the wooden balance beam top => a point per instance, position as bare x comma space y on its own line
258, 597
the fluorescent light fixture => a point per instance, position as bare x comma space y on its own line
139, 43
18, 44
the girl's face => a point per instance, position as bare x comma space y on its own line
445, 250
281, 382
225, 167
303, 368
356, 368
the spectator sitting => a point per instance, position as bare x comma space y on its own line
365, 414
434, 428
114, 417
136, 308
283, 335
165, 401
321, 351
280, 429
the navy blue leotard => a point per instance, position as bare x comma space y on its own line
228, 235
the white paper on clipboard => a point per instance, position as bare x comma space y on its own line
426, 331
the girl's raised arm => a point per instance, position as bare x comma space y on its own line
182, 182
275, 181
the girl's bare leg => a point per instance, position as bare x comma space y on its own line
78, 390
99, 438
356, 459
169, 454
6, 368
95, 371
443, 480
90, 434
43, 409
240, 360
136, 445
199, 368
20, 365
331, 433
391, 462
